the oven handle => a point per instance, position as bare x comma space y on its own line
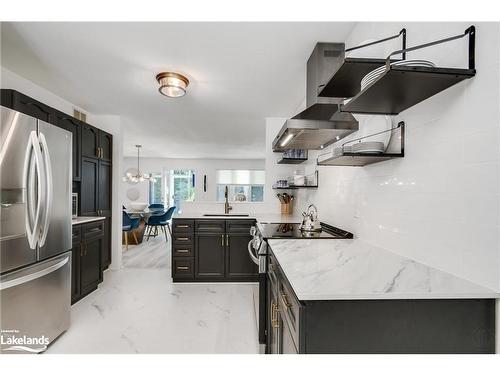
251, 253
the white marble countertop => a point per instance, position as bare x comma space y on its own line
261, 218
353, 269
85, 219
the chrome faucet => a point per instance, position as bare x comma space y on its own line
227, 207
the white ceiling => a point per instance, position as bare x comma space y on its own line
239, 74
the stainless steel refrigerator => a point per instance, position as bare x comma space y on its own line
35, 232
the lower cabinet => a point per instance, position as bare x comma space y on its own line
239, 265
209, 255
212, 250
88, 240
378, 326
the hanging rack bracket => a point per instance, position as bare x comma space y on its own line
471, 32
402, 33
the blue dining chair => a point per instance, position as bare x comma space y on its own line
129, 224
155, 221
156, 207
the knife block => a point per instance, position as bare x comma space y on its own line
287, 208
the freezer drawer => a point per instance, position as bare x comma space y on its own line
35, 305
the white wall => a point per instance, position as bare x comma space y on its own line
111, 124
440, 203
204, 201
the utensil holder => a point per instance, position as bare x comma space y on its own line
287, 208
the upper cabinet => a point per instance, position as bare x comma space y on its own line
22, 103
96, 143
90, 141
105, 145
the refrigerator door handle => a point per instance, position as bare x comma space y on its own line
48, 190
33, 276
32, 164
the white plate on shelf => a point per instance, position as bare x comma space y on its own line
368, 147
374, 74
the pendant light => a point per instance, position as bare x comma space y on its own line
138, 177
172, 84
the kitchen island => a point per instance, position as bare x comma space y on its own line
351, 297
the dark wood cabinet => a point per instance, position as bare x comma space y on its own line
89, 190
239, 265
74, 126
104, 188
209, 255
90, 268
90, 141
86, 268
212, 250
106, 244
105, 146
29, 106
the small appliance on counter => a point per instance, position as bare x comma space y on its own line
310, 222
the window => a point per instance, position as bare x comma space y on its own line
155, 189
242, 185
182, 186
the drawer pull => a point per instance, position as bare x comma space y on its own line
182, 268
182, 226
183, 238
94, 230
182, 251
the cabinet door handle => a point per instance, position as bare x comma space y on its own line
81, 249
274, 316
222, 240
182, 268
227, 240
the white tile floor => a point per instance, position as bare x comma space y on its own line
139, 310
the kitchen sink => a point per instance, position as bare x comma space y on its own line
240, 215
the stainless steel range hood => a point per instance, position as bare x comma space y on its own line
321, 123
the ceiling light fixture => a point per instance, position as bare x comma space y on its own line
138, 177
172, 84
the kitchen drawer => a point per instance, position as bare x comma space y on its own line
183, 226
93, 230
76, 234
239, 226
183, 268
183, 251
183, 239
290, 308
209, 225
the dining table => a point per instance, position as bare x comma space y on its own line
143, 216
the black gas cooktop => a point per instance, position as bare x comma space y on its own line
292, 230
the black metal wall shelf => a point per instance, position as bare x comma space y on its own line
292, 160
312, 177
401, 87
354, 159
345, 81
